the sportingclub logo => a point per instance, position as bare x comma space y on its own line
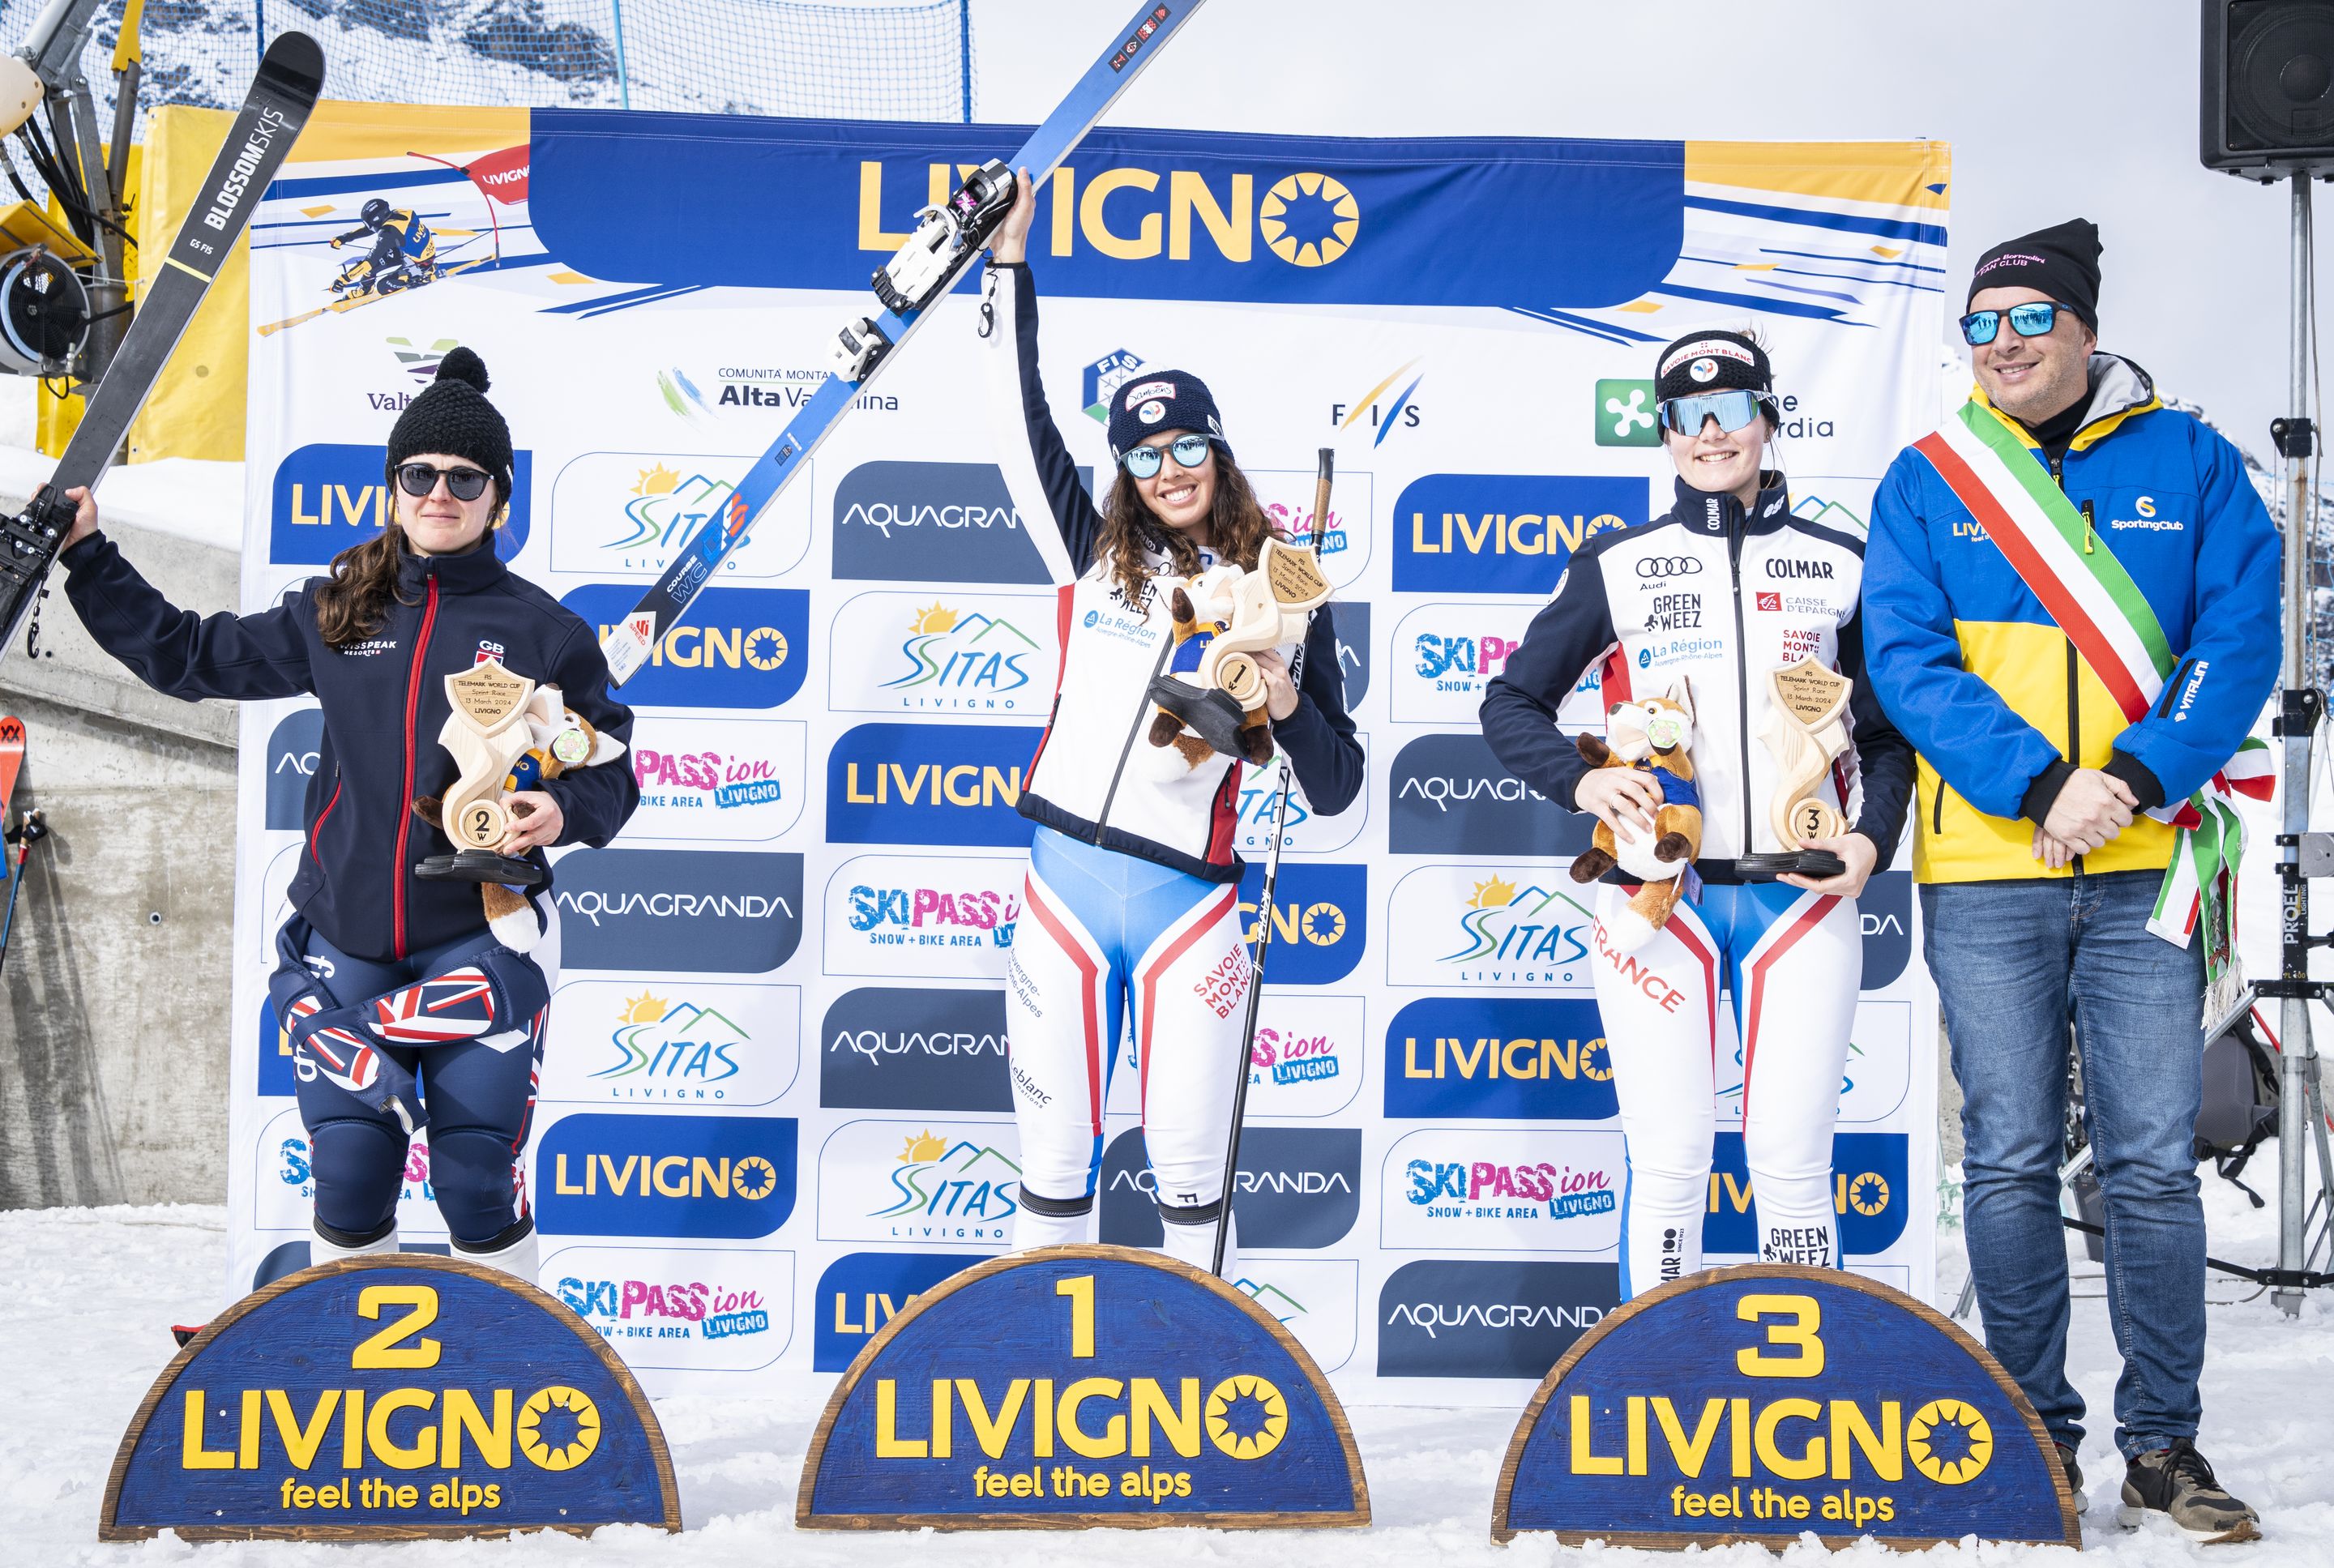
1498, 1058
702, 1310
989, 654
1320, 919
1482, 1318
948, 917
929, 783
1506, 534
1477, 926
1503, 1190
697, 911
293, 748
912, 1183
890, 1048
630, 513
697, 1044
679, 1176
1445, 655
329, 495
739, 779
735, 647
1450, 796
1297, 1187
899, 522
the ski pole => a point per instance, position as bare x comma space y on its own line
1248, 1032
33, 831
1323, 475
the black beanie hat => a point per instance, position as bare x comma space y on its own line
1701, 362
1156, 401
452, 416
2061, 261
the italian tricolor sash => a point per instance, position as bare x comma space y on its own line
2101, 610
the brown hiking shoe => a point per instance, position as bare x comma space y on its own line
2178, 1484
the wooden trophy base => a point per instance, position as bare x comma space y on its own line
479, 866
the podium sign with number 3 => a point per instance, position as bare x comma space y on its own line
1760, 1402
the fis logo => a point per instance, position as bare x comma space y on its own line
1498, 1058
678, 1176
1384, 414
929, 783
737, 646
1100, 380
330, 494
1502, 533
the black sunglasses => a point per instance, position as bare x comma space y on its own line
1142, 462
418, 479
2033, 319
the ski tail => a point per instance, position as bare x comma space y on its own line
291, 76
908, 286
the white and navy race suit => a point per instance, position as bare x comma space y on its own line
1132, 903
1720, 596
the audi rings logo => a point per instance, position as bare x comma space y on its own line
1653, 566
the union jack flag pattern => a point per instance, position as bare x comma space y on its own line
459, 1004
342, 1058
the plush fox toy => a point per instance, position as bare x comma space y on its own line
1651, 734
560, 739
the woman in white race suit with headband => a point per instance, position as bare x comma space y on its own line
1724, 588
1131, 910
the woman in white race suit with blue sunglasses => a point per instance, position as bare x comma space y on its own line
1724, 588
1131, 910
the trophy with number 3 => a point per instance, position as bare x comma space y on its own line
1806, 730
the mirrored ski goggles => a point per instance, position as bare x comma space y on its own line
1731, 410
1142, 462
418, 479
2032, 320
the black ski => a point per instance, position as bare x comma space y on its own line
291, 75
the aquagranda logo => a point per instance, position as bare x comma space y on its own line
1453, 796
931, 523
737, 646
1469, 1318
721, 911
675, 1176
294, 749
1296, 1187
893, 1048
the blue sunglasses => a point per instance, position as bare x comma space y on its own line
2032, 320
1191, 451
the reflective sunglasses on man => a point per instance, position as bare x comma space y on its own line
418, 479
1142, 462
2032, 320
1731, 410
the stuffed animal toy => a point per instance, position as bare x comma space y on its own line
1653, 733
559, 739
1211, 699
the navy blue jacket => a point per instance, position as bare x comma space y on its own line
384, 700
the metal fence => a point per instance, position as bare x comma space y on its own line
863, 61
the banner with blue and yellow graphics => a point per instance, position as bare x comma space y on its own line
776, 1104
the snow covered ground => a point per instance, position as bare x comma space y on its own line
92, 1291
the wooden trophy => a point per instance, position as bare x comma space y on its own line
1806, 730
487, 732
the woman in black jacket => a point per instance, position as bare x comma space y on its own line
379, 965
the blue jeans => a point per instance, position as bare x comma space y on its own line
2014, 962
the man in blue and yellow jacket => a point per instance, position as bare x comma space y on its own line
2039, 866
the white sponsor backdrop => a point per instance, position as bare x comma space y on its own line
827, 764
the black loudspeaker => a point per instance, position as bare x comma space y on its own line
2268, 87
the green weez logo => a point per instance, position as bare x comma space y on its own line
1626, 416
